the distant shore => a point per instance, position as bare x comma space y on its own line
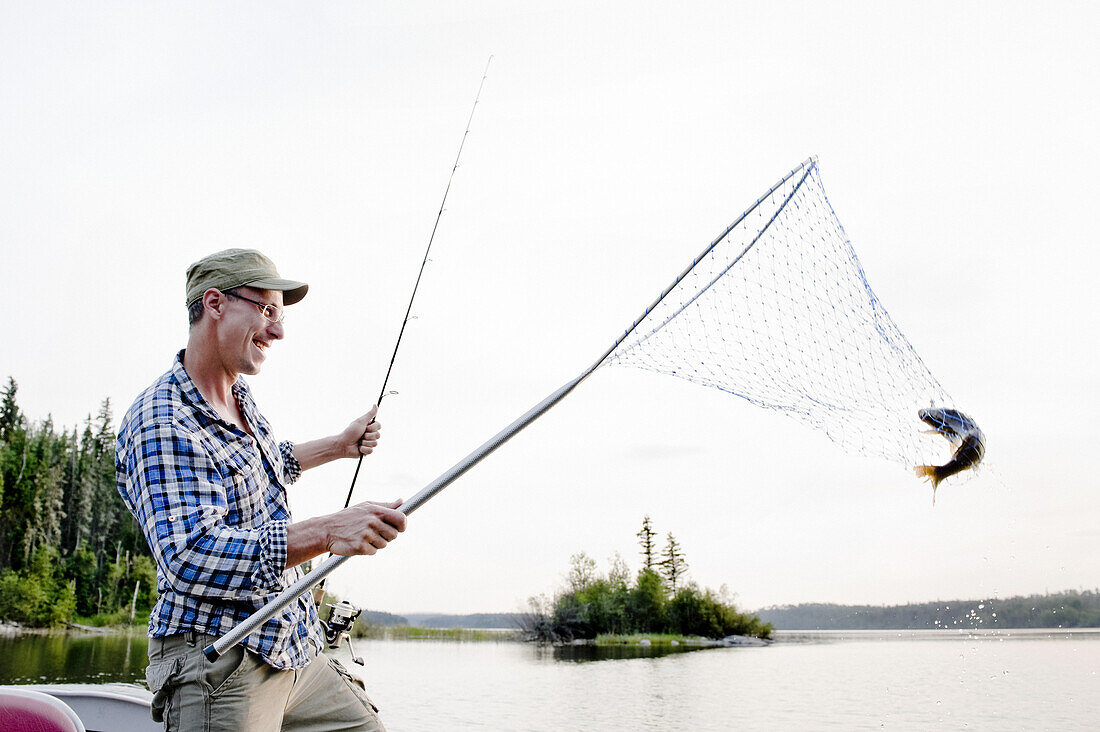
415, 632
11, 629
1066, 609
1050, 611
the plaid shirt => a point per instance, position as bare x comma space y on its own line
211, 500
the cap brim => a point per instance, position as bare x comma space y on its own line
292, 291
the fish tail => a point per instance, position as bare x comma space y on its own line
931, 473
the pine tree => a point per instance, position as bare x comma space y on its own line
69, 479
18, 463
105, 500
45, 525
11, 421
83, 489
673, 563
10, 418
645, 539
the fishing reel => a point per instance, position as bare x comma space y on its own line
341, 617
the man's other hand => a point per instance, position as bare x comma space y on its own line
361, 436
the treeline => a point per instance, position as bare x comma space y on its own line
658, 599
68, 545
373, 618
477, 621
1069, 609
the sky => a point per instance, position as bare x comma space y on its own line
957, 143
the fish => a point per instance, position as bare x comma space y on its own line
964, 435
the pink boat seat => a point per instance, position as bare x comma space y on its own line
24, 710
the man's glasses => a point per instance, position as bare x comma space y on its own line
272, 313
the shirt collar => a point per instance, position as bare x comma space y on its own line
193, 396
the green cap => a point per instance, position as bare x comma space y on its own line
231, 268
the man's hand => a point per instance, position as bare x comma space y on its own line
358, 438
360, 529
365, 528
361, 436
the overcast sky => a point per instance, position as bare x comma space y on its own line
957, 141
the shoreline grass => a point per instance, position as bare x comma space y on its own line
656, 640
413, 632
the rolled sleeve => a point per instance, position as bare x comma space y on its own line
273, 552
292, 469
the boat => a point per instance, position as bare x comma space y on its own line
76, 708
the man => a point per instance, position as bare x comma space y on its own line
200, 469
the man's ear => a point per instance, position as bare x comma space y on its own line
214, 302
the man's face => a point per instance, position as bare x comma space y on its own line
245, 334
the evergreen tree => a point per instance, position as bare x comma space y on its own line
106, 502
47, 515
69, 479
44, 498
673, 563
10, 418
18, 463
83, 488
645, 540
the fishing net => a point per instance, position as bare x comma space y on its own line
778, 311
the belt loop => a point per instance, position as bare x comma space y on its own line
190, 636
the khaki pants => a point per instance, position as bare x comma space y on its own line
239, 692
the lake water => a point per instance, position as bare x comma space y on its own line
823, 680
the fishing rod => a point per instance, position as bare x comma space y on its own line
343, 614
420, 274
319, 573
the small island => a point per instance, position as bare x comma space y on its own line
656, 606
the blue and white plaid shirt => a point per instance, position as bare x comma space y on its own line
211, 500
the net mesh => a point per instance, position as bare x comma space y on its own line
778, 311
